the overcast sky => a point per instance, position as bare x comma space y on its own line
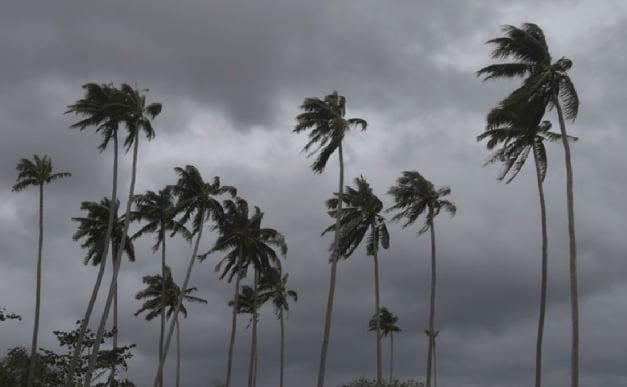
231, 76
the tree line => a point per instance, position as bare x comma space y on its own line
515, 128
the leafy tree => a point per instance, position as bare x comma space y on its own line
157, 301
159, 212
196, 201
247, 243
384, 322
546, 84
362, 215
36, 172
515, 139
325, 119
413, 195
274, 286
363, 382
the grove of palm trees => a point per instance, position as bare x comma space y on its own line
313, 228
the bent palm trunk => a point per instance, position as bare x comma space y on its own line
570, 203
432, 301
234, 318
334, 259
376, 306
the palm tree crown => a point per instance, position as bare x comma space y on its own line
35, 173
414, 194
362, 212
274, 286
387, 322
325, 118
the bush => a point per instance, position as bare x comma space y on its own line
363, 382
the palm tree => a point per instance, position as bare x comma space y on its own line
136, 115
36, 173
516, 140
157, 301
362, 214
385, 323
275, 287
101, 108
241, 234
546, 84
159, 211
92, 229
325, 118
413, 195
196, 200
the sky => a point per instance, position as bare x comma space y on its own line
231, 76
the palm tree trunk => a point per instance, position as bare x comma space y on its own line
175, 316
115, 332
334, 259
570, 203
163, 296
234, 318
69, 381
391, 356
116, 268
33, 348
543, 283
282, 355
178, 355
435, 364
432, 300
253, 344
376, 304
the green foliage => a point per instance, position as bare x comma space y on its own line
51, 367
363, 382
10, 316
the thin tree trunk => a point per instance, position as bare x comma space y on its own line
178, 355
116, 268
432, 300
570, 203
543, 283
234, 318
435, 364
282, 356
391, 356
179, 301
334, 259
33, 348
253, 344
376, 305
69, 381
115, 331
163, 297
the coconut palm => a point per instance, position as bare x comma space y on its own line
362, 215
92, 229
157, 301
137, 116
100, 107
546, 84
325, 118
246, 243
413, 195
197, 203
384, 322
516, 139
36, 172
274, 286
158, 210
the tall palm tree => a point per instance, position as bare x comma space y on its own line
36, 173
137, 116
385, 323
241, 234
196, 201
362, 214
325, 118
92, 229
100, 108
516, 139
159, 211
413, 195
546, 84
274, 286
157, 301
